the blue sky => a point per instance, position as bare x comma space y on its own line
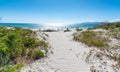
59, 11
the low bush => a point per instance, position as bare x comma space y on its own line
109, 26
14, 68
38, 54
43, 43
91, 39
17, 46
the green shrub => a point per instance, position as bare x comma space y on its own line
98, 43
117, 24
109, 26
91, 38
14, 68
29, 42
43, 43
38, 54
18, 45
4, 54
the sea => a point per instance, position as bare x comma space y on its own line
34, 26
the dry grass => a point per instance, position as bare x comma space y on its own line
106, 43
109, 26
92, 38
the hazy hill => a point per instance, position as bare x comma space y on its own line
85, 25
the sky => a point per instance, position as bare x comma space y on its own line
59, 11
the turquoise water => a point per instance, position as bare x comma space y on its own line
22, 25
41, 26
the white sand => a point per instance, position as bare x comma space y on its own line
67, 55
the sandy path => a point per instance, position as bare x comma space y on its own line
66, 57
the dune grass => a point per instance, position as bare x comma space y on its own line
109, 26
19, 45
106, 42
12, 68
91, 38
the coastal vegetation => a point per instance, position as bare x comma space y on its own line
99, 39
104, 42
92, 38
109, 26
18, 47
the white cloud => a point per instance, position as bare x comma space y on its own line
115, 20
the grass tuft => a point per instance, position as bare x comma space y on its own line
91, 38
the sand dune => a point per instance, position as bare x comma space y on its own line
65, 55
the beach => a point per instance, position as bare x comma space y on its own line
59, 35
65, 55
80, 50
